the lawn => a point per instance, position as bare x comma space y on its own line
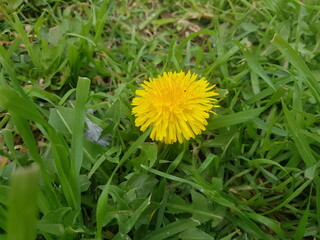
77, 163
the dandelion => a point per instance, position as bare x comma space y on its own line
174, 105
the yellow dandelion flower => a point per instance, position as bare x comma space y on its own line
174, 105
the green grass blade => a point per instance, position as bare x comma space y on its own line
18, 26
223, 58
255, 66
243, 219
7, 63
22, 109
22, 212
28, 138
198, 212
78, 127
317, 181
233, 119
299, 64
229, 236
3, 218
4, 190
221, 29
209, 159
301, 229
101, 18
254, 162
65, 168
9, 141
299, 138
175, 163
216, 197
172, 229
20, 106
280, 92
292, 196
172, 177
270, 223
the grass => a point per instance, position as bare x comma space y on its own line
253, 174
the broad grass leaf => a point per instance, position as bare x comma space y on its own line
53, 222
200, 203
149, 153
128, 225
61, 119
195, 234
142, 184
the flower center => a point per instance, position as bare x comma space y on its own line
171, 100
